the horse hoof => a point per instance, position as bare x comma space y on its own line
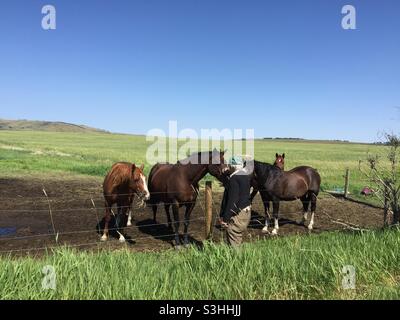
310, 227
129, 224
121, 240
103, 238
187, 245
274, 232
265, 230
178, 247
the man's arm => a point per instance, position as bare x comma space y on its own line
232, 198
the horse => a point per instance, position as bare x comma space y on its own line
275, 185
120, 185
163, 166
177, 185
280, 163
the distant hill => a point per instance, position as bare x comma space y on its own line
25, 125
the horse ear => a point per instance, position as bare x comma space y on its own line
142, 167
283, 156
276, 155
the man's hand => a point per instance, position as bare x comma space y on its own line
223, 223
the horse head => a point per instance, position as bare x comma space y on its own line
216, 164
280, 161
139, 182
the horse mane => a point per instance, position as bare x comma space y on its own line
120, 173
262, 169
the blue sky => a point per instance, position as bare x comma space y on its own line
284, 68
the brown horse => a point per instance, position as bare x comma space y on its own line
177, 185
280, 161
120, 185
275, 185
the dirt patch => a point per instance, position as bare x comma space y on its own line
25, 209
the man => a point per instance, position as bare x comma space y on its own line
235, 208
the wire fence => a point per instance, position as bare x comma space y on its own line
53, 202
141, 226
100, 194
54, 205
98, 243
88, 208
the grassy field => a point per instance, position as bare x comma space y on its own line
292, 267
24, 153
282, 268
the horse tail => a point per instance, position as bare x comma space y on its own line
315, 181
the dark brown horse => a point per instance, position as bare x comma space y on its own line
177, 185
122, 182
275, 185
280, 163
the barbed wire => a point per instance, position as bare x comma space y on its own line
82, 244
90, 195
91, 230
148, 205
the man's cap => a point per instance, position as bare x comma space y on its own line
236, 161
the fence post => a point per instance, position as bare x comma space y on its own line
51, 215
208, 207
346, 183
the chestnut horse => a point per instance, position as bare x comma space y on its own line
122, 182
275, 185
177, 185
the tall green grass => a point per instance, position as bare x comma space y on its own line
282, 268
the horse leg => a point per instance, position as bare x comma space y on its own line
275, 213
306, 202
129, 223
107, 219
313, 197
189, 209
253, 194
175, 211
166, 207
266, 212
120, 222
154, 207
